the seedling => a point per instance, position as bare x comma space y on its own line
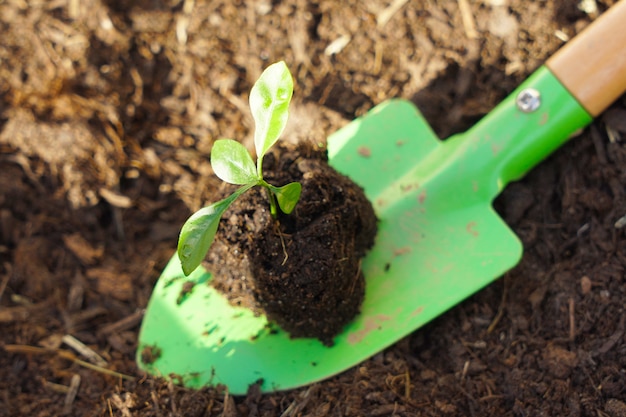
269, 102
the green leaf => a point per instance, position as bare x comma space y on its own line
197, 235
269, 102
198, 232
232, 162
287, 196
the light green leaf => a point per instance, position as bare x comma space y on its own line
198, 232
232, 162
269, 102
287, 196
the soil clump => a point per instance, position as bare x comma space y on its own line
303, 269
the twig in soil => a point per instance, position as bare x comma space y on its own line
22, 312
407, 385
387, 410
83, 316
73, 9
500, 313
4, 282
378, 57
71, 394
70, 356
466, 366
491, 397
119, 224
34, 350
182, 22
613, 134
117, 202
296, 407
170, 388
155, 402
21, 300
384, 16
612, 340
572, 322
326, 93
468, 19
230, 409
58, 388
84, 350
124, 324
406, 398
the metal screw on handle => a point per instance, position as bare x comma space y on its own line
528, 100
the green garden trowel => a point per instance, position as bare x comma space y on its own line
439, 239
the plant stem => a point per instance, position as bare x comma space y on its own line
270, 196
259, 168
273, 204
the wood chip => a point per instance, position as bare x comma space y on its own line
22, 313
115, 199
111, 282
126, 323
58, 388
590, 7
383, 17
124, 403
468, 19
83, 316
585, 285
230, 410
84, 350
76, 294
616, 119
82, 249
621, 222
337, 45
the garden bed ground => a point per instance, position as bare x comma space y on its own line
108, 110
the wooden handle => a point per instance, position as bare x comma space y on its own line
592, 66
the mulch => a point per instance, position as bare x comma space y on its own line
108, 110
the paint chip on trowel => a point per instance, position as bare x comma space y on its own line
364, 151
402, 251
471, 229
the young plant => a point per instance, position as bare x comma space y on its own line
269, 102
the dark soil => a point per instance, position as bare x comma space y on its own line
301, 270
108, 110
